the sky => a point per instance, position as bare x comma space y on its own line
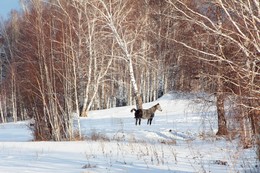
6, 6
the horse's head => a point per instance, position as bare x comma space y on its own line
158, 107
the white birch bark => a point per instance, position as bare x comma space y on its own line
122, 43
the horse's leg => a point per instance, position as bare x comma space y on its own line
139, 121
136, 121
151, 119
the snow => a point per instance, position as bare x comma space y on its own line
181, 139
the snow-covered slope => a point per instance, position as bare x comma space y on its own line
180, 139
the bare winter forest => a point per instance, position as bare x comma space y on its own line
60, 57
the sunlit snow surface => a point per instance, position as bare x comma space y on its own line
181, 139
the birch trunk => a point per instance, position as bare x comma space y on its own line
222, 124
14, 102
2, 112
138, 98
123, 44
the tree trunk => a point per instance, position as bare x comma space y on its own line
14, 102
2, 112
222, 125
138, 98
123, 44
256, 120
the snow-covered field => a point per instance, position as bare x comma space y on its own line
180, 139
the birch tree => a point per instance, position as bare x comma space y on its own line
241, 32
44, 72
10, 34
114, 13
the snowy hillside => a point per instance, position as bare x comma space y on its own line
180, 139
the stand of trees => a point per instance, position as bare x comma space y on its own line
64, 56
226, 38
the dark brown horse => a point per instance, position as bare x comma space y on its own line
146, 113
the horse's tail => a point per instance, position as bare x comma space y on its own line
133, 110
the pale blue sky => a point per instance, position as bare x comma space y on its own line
6, 6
